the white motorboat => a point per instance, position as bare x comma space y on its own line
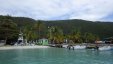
105, 48
64, 45
79, 47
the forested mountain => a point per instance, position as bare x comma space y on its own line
20, 21
103, 29
100, 29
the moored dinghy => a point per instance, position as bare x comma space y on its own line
65, 45
79, 47
105, 48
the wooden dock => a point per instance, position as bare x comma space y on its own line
96, 46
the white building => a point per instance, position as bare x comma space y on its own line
20, 38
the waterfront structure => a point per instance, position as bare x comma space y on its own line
43, 41
109, 40
20, 39
2, 42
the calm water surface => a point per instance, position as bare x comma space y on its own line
55, 56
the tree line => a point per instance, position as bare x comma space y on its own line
56, 31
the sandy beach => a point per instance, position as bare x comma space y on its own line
21, 47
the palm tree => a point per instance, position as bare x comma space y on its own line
38, 26
29, 34
89, 37
55, 35
58, 35
76, 36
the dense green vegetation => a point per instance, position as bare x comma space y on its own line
102, 29
56, 31
8, 29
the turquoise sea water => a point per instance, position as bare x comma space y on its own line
55, 56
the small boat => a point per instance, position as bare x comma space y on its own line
64, 45
79, 47
52, 45
105, 48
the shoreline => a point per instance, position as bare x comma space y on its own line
22, 47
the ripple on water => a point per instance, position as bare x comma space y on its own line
55, 56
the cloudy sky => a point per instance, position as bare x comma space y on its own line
59, 9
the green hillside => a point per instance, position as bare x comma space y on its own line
35, 29
103, 29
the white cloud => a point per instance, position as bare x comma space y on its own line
93, 9
46, 9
